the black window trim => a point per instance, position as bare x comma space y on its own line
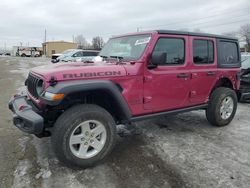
203, 64
173, 64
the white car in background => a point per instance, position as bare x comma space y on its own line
77, 55
55, 56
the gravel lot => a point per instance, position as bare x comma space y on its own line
173, 151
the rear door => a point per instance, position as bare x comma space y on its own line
166, 87
203, 68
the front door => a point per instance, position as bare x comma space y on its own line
166, 87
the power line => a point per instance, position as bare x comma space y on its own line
185, 21
203, 18
228, 23
221, 24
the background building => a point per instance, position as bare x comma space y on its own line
55, 47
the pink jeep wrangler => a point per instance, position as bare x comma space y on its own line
138, 76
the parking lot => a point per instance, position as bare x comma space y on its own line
182, 150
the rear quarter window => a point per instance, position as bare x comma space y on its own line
228, 54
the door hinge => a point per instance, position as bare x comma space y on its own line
192, 94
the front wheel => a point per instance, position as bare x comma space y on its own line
83, 135
222, 106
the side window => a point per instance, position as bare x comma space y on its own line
86, 54
203, 51
89, 53
94, 53
78, 54
229, 52
174, 47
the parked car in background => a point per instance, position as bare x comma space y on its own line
245, 56
244, 92
4, 53
27, 52
77, 55
55, 56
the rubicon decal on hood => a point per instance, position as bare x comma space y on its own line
92, 74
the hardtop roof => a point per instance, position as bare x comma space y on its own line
195, 34
176, 32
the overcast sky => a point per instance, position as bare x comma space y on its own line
25, 20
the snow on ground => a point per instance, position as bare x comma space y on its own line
174, 151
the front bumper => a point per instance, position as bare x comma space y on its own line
25, 115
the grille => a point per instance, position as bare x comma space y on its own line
32, 82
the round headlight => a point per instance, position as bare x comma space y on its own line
39, 87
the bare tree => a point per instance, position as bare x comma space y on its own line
245, 33
97, 42
82, 43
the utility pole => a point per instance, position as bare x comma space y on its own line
137, 29
4, 46
45, 35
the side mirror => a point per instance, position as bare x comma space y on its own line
159, 58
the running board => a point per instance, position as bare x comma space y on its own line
148, 116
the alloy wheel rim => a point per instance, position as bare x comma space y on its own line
226, 108
88, 139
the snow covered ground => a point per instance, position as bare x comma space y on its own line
183, 150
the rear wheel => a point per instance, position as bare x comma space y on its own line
83, 135
222, 106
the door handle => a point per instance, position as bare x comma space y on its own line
183, 75
210, 73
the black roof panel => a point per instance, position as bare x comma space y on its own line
194, 34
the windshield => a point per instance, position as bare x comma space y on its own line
67, 51
245, 64
128, 47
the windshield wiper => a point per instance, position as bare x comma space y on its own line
103, 56
116, 57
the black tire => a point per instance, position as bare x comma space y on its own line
67, 123
23, 55
213, 113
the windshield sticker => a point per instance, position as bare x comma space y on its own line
142, 41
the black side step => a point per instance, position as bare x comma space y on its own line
148, 116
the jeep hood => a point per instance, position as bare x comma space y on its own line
79, 70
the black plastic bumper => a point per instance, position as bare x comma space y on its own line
25, 116
245, 97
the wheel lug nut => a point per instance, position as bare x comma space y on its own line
86, 133
91, 141
86, 143
82, 139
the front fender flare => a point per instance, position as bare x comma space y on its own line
69, 87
